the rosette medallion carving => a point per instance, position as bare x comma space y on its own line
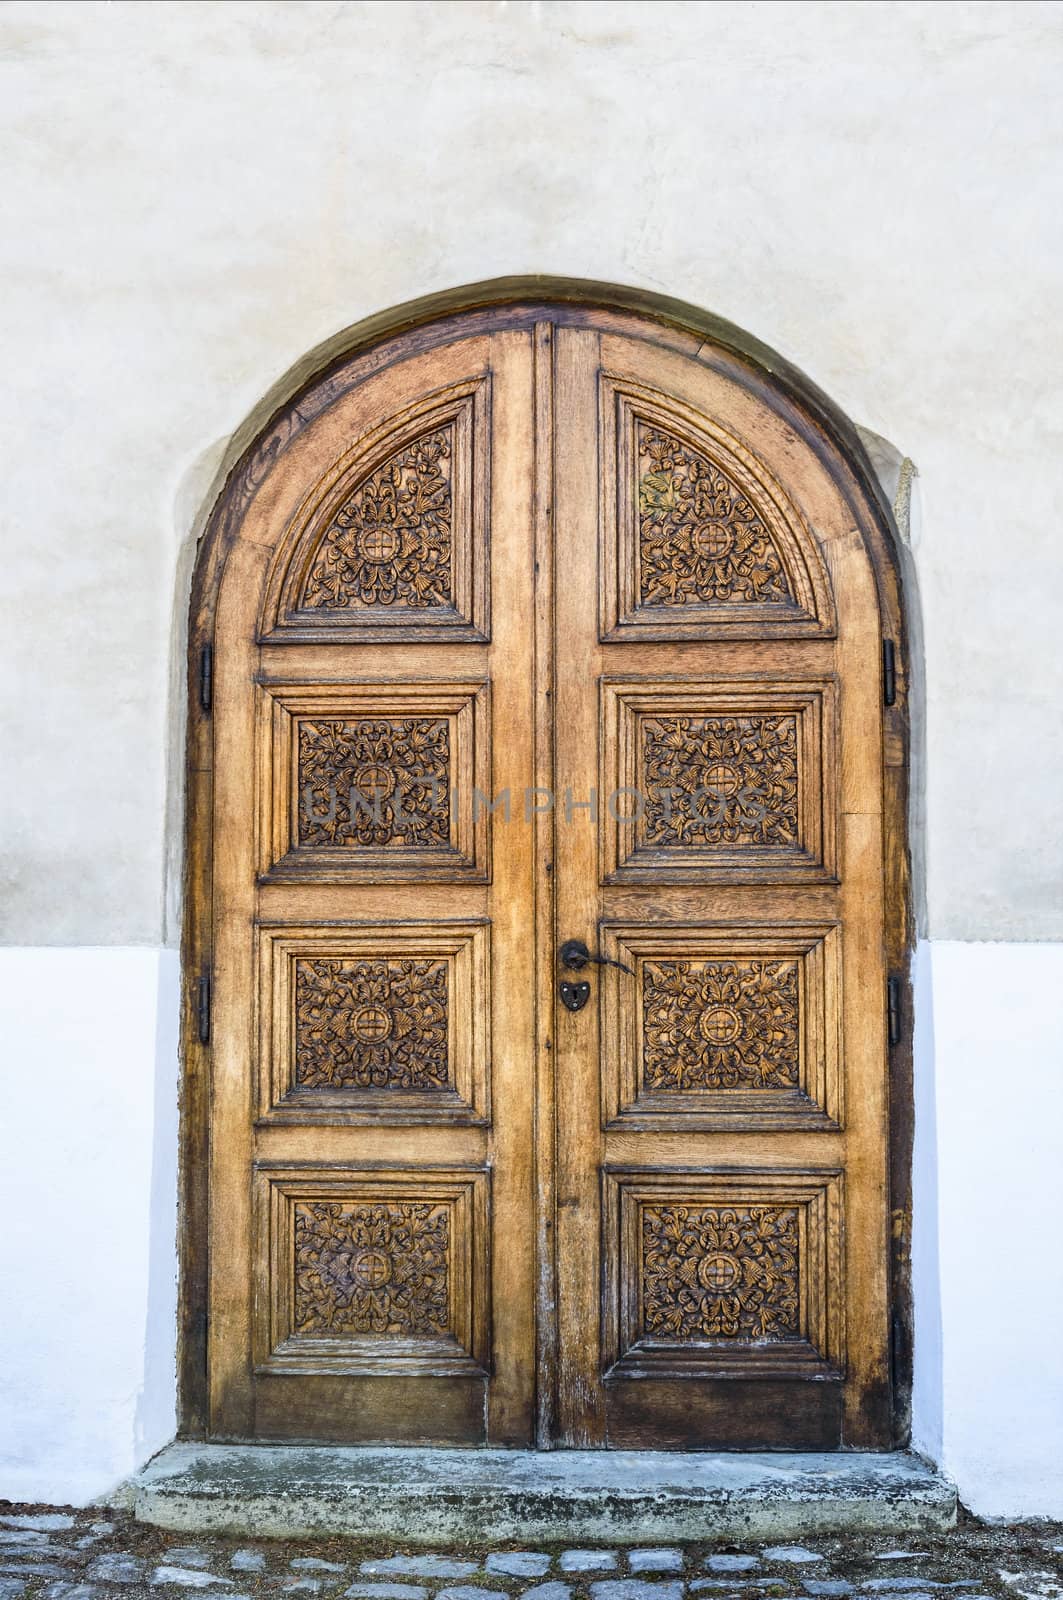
390, 542
374, 781
701, 539
720, 1025
374, 1023
727, 780
377, 1268
713, 1272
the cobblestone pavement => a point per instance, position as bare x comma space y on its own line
46, 1554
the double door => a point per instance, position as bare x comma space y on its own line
548, 1094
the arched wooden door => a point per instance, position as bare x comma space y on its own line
538, 624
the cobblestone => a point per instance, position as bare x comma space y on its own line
43, 1556
732, 1585
188, 1578
37, 1552
44, 1521
385, 1591
116, 1566
518, 1563
31, 1568
470, 1591
635, 1589
426, 1566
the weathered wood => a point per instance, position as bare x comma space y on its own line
498, 549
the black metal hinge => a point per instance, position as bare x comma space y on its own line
206, 677
889, 672
893, 1010
203, 1007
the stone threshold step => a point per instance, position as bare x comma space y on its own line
421, 1496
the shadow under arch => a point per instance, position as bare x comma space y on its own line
302, 393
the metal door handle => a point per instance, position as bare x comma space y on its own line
574, 955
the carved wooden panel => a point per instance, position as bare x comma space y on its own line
721, 1026
722, 1273
373, 1272
698, 539
374, 782
372, 1266
374, 1022
719, 1272
378, 1023
724, 779
717, 780
392, 543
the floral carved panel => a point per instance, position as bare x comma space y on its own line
364, 1023
390, 542
714, 1272
720, 780
372, 1268
711, 1272
374, 782
720, 1025
372, 1023
700, 538
373, 1272
725, 1025
712, 778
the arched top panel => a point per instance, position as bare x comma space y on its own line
391, 540
699, 539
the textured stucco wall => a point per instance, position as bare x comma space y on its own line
194, 195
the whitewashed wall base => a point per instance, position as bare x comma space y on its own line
88, 1164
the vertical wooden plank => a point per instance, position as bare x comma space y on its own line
544, 929
510, 1403
232, 1027
581, 1408
867, 1401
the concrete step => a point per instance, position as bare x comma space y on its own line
422, 1496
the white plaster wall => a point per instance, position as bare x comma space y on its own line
989, 1194
88, 1164
193, 195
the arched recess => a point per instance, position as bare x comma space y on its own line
788, 595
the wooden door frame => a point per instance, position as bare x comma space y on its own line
523, 302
